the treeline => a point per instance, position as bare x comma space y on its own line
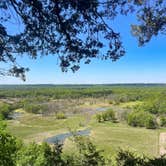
13, 152
54, 93
118, 93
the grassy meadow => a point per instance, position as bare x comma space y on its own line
108, 136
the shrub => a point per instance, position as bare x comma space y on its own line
105, 116
108, 115
32, 108
136, 118
15, 106
163, 121
150, 122
123, 114
110, 102
127, 158
61, 115
141, 119
160, 161
99, 118
4, 111
151, 107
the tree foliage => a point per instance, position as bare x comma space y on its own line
9, 145
152, 20
73, 30
129, 158
89, 155
5, 110
139, 118
39, 155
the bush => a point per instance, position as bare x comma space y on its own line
105, 116
136, 118
32, 108
127, 158
111, 102
108, 115
4, 111
61, 115
161, 161
163, 121
99, 118
141, 119
122, 114
150, 122
151, 107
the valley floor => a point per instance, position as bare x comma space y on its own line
108, 136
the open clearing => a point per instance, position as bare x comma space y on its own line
111, 137
108, 136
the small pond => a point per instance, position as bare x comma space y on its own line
60, 138
15, 115
101, 109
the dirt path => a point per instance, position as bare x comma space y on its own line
162, 143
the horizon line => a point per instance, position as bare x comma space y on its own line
129, 83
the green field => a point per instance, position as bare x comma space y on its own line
108, 136
111, 137
36, 128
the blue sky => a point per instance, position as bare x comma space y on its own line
139, 65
